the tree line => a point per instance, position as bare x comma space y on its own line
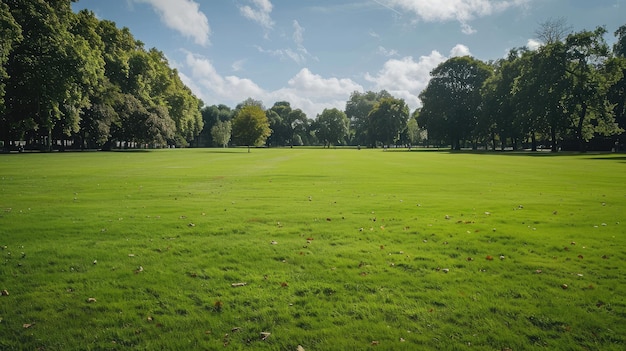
570, 93
72, 80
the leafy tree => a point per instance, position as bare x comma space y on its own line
358, 109
277, 116
617, 92
451, 101
540, 90
10, 34
250, 126
387, 120
413, 131
46, 70
331, 126
221, 133
210, 116
591, 72
498, 117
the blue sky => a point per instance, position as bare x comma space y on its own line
314, 54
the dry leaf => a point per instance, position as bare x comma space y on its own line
91, 300
235, 285
300, 348
265, 335
5, 293
27, 325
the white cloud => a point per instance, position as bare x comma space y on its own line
260, 13
183, 16
307, 91
533, 44
388, 53
299, 55
462, 11
460, 50
406, 78
238, 65
298, 33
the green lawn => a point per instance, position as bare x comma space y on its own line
338, 249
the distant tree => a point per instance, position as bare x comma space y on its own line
250, 102
331, 126
221, 133
358, 108
553, 30
387, 120
413, 131
210, 116
250, 126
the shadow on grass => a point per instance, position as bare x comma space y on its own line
601, 155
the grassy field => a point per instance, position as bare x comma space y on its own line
323, 249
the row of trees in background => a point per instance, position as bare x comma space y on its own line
568, 92
370, 119
69, 77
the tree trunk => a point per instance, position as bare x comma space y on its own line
582, 145
533, 139
553, 138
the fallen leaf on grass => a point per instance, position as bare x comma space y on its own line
375, 343
5, 293
235, 285
91, 300
265, 335
300, 348
28, 325
489, 258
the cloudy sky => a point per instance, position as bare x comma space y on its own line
315, 53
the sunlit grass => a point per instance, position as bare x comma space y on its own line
338, 249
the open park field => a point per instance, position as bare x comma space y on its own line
210, 249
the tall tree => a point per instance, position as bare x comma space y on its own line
250, 126
451, 101
45, 70
10, 34
591, 73
540, 90
331, 126
358, 108
617, 92
498, 117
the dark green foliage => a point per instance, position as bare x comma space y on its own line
64, 78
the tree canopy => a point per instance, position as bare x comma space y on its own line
71, 77
250, 127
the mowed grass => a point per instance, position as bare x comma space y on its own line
338, 250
